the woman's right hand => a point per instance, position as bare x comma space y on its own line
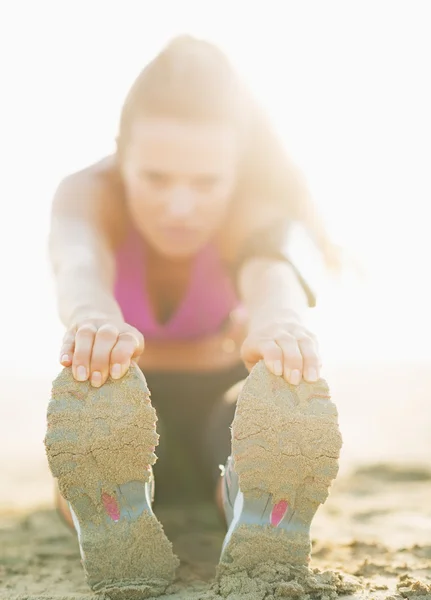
99, 347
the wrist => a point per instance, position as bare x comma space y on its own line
88, 312
269, 314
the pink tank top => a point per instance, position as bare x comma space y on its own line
205, 307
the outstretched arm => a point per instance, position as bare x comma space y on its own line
84, 226
80, 254
277, 304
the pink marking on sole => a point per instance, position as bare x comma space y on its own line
278, 512
111, 506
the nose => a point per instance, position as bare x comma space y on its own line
181, 201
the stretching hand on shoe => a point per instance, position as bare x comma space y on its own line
277, 302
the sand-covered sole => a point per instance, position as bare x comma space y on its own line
285, 449
100, 445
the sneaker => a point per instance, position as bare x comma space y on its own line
100, 445
285, 449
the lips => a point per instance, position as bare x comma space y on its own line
179, 233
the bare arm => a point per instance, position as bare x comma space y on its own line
81, 250
270, 287
85, 226
277, 304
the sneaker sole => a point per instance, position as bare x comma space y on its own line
285, 449
100, 445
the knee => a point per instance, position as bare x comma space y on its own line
230, 397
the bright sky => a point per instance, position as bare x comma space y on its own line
346, 82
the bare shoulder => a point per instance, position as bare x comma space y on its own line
95, 194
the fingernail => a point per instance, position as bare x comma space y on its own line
295, 377
116, 371
278, 368
96, 379
311, 374
81, 373
65, 358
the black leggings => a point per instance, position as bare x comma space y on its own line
195, 411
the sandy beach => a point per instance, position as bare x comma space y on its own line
372, 538
196, 161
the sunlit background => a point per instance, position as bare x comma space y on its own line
346, 82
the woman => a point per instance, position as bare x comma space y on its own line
171, 254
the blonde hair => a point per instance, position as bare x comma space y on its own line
193, 79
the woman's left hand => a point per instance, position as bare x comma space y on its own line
287, 347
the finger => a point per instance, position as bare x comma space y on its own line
139, 341
127, 347
68, 347
311, 359
84, 340
267, 350
292, 359
308, 334
104, 341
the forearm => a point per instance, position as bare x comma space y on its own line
82, 294
84, 271
270, 288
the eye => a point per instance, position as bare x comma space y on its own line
156, 178
206, 183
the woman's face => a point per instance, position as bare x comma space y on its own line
179, 178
